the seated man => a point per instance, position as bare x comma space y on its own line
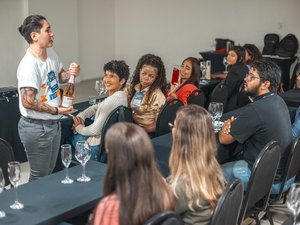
292, 96
256, 124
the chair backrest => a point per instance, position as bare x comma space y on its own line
119, 114
164, 218
167, 114
261, 180
6, 156
292, 165
229, 204
197, 97
220, 94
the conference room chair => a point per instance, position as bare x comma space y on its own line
164, 218
291, 170
229, 204
197, 97
120, 114
166, 115
260, 182
220, 94
6, 156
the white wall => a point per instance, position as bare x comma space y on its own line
93, 32
175, 29
12, 46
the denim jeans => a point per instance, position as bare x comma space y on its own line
41, 141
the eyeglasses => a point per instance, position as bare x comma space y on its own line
251, 77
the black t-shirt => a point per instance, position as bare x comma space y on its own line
260, 122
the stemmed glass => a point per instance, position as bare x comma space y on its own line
14, 174
203, 69
219, 113
212, 109
100, 87
66, 158
2, 185
225, 63
83, 154
293, 201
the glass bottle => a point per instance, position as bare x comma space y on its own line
69, 93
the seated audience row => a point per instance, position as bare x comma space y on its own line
134, 190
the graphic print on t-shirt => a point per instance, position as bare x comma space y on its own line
52, 85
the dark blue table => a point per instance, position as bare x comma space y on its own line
48, 201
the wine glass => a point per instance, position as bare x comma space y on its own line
203, 69
66, 158
212, 109
219, 113
83, 154
100, 87
2, 185
225, 63
293, 201
14, 174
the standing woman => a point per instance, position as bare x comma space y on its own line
188, 82
147, 91
134, 190
39, 74
196, 178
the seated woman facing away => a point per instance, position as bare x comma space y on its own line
146, 93
188, 82
115, 76
252, 54
196, 178
134, 190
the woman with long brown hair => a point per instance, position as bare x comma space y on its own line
196, 178
188, 82
147, 91
134, 190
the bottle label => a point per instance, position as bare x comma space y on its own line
67, 101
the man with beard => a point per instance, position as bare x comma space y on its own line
254, 125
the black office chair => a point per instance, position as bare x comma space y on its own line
229, 204
164, 218
220, 94
260, 182
6, 156
291, 169
167, 114
120, 114
197, 97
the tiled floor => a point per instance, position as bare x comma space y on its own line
84, 90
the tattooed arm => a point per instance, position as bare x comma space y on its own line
29, 101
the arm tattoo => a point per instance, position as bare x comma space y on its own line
64, 76
29, 101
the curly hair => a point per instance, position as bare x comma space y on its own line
119, 67
159, 82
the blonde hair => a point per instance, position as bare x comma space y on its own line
193, 157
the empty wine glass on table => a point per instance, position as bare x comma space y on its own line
100, 87
212, 109
219, 113
83, 154
293, 201
203, 70
14, 175
66, 158
225, 63
2, 185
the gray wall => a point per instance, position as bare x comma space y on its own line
93, 32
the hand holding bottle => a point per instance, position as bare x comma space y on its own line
74, 69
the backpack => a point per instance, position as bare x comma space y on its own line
288, 46
271, 42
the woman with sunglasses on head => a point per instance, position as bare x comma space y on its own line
147, 91
188, 81
196, 178
134, 190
